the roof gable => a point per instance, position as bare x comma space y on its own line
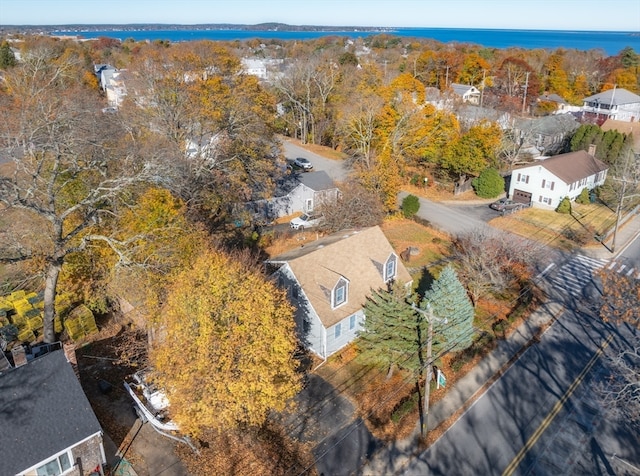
358, 256
316, 181
462, 89
571, 167
43, 410
616, 97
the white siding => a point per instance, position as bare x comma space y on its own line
347, 334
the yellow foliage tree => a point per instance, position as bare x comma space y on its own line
224, 347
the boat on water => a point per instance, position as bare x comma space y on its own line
151, 403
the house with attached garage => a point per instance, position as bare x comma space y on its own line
48, 425
546, 182
328, 281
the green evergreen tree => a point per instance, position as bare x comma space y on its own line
393, 332
7, 58
489, 184
449, 300
583, 198
410, 206
564, 206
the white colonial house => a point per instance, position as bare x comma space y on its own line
545, 183
617, 103
328, 281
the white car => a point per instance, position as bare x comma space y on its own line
303, 163
306, 220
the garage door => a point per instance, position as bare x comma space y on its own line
521, 197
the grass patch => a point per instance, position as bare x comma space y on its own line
560, 231
432, 245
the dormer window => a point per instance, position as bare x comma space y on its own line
340, 293
390, 267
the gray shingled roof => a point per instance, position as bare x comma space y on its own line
461, 89
43, 410
615, 97
573, 166
316, 181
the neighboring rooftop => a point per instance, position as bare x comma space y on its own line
43, 411
316, 181
615, 97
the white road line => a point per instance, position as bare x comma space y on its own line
545, 270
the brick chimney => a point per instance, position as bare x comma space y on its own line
592, 150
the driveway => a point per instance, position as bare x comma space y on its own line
326, 419
455, 219
334, 168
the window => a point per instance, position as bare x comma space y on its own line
309, 205
56, 466
546, 200
547, 184
523, 178
352, 322
338, 329
339, 294
390, 268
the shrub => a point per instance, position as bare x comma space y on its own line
584, 197
564, 206
410, 206
489, 184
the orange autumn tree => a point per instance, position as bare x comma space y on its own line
620, 298
225, 345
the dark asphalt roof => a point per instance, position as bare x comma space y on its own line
316, 181
43, 410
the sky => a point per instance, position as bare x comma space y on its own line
605, 15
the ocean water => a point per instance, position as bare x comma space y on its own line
608, 41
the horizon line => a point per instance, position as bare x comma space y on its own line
333, 27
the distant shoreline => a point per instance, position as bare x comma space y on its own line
269, 27
610, 42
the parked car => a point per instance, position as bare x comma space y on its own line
303, 163
306, 220
504, 204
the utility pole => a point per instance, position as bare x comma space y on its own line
524, 98
429, 365
484, 75
629, 162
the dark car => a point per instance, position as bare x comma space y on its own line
303, 163
504, 204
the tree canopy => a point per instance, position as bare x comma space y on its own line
393, 332
449, 301
224, 347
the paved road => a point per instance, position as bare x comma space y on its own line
335, 168
450, 219
493, 431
